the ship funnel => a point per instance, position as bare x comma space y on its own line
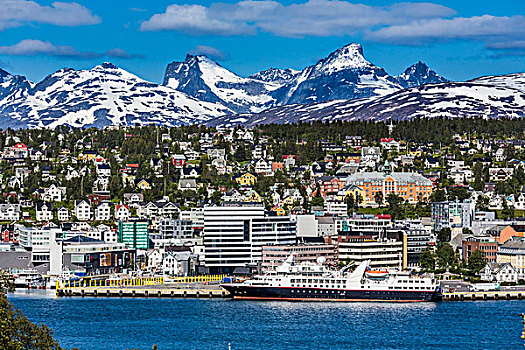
359, 271
287, 264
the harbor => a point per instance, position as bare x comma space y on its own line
204, 323
210, 287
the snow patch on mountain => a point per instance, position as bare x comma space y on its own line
104, 95
206, 80
488, 97
275, 75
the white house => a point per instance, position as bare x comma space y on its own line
9, 212
53, 194
44, 211
83, 210
178, 263
103, 212
63, 214
103, 170
133, 198
263, 167
122, 212
499, 272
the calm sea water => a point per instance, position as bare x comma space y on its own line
109, 323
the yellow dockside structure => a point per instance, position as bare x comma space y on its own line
139, 287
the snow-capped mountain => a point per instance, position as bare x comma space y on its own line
12, 87
344, 74
488, 97
206, 80
417, 75
343, 85
275, 75
104, 95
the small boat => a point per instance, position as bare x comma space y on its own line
29, 278
377, 274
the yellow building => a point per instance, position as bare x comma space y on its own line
416, 152
87, 155
354, 191
144, 185
288, 201
246, 179
278, 209
252, 196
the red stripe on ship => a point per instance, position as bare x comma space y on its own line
325, 299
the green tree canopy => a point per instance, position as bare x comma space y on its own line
427, 259
445, 254
477, 261
444, 235
16, 331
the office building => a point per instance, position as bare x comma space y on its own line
235, 234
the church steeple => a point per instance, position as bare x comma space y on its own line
387, 168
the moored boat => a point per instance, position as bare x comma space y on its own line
29, 278
317, 282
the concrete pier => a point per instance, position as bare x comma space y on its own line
152, 292
488, 295
206, 286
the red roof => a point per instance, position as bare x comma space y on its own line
387, 139
20, 145
384, 216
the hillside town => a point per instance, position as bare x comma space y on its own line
192, 201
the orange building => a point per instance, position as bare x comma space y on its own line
511, 231
409, 186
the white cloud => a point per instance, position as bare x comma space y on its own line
31, 47
503, 49
486, 28
507, 45
14, 13
209, 51
312, 18
119, 53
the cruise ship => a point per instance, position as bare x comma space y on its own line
319, 282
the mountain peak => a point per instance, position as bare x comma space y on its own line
107, 65
419, 74
3, 73
347, 57
353, 49
198, 58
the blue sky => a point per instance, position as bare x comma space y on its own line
459, 39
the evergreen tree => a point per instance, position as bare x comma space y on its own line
427, 259
378, 197
477, 261
395, 206
16, 331
444, 235
445, 254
